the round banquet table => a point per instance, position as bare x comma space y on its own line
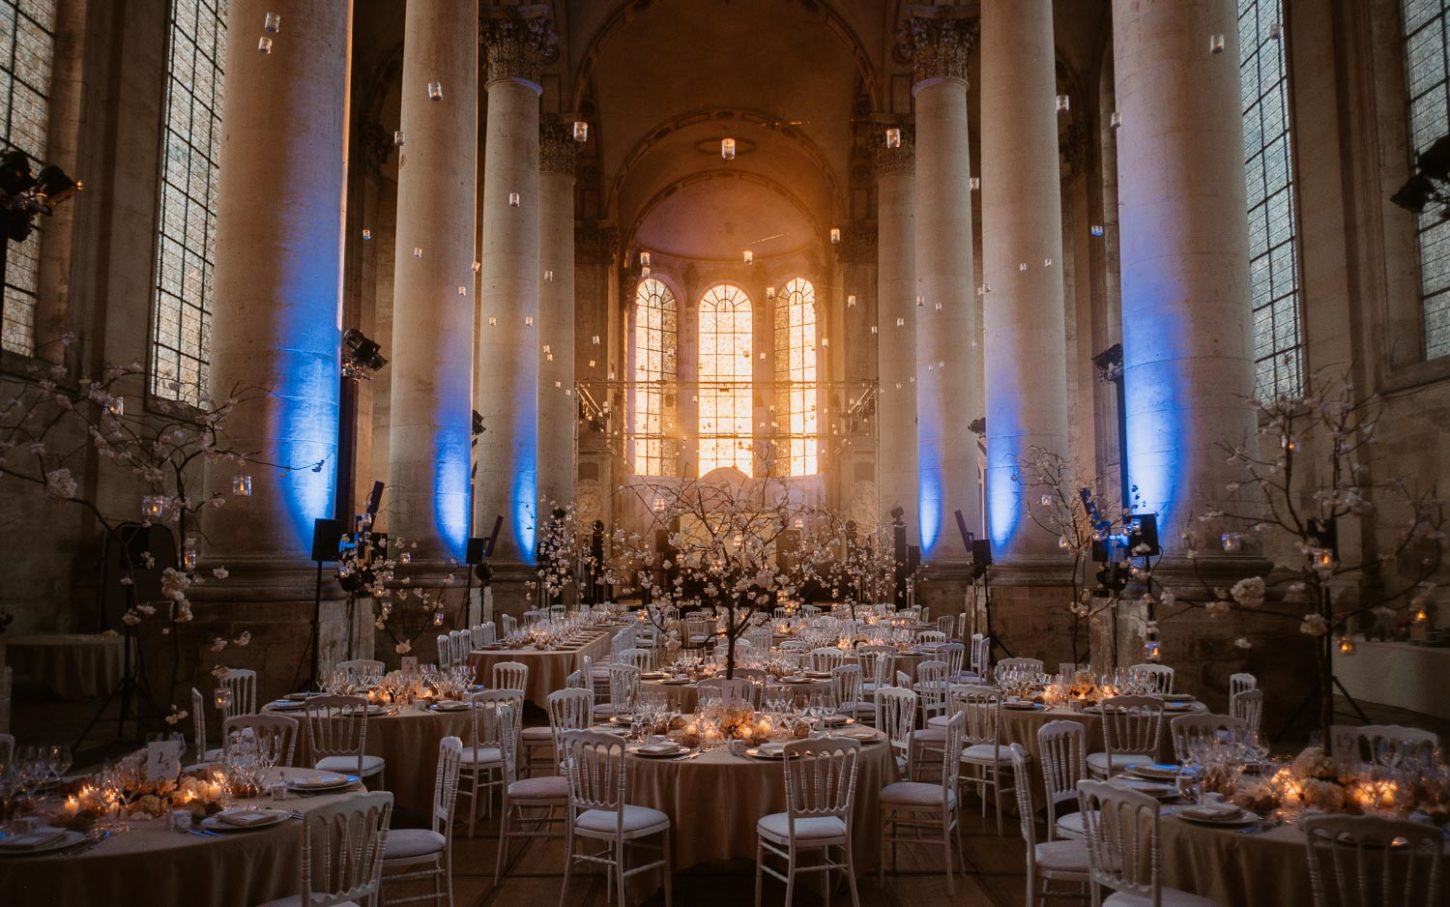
151, 864
715, 799
549, 669
1260, 869
73, 666
408, 743
684, 697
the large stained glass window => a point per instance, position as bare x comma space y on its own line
655, 335
726, 351
1428, 73
27, 44
795, 374
186, 250
1268, 162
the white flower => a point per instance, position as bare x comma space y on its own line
131, 618
60, 485
1314, 625
217, 644
175, 716
174, 584
244, 639
1218, 608
1243, 643
1249, 592
403, 648
220, 572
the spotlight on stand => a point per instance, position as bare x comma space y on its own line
361, 357
24, 195
1430, 185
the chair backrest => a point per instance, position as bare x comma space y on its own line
510, 675
1349, 744
640, 658
1241, 682
760, 638
594, 764
981, 654
460, 642
896, 717
445, 784
1154, 678
475, 635
359, 668
623, 687
1026, 812
955, 656
820, 780
569, 710
198, 723
510, 624
878, 664
490, 633
575, 681
932, 685
1121, 827
490, 709
1028, 665
736, 689
982, 706
1132, 724
342, 849
337, 726
445, 651
273, 735
243, 684
1186, 729
947, 624
1248, 705
927, 637
1062, 749
826, 658
1368, 861
846, 688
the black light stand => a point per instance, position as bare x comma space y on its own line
326, 547
24, 196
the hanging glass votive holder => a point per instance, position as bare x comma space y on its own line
529, 321
850, 302
493, 321
893, 137
1115, 119
901, 322
514, 200
749, 257
975, 183
398, 137
272, 23
1096, 229
594, 339
645, 271
644, 259
581, 131
1276, 31
242, 486
435, 91
1232, 542
153, 506
367, 234
116, 406
1215, 44
264, 45
462, 291
188, 554
835, 236
727, 149
548, 277
875, 329
1064, 103
417, 251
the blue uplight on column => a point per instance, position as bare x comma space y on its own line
450, 484
307, 415
929, 499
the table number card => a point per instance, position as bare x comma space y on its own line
163, 760
410, 665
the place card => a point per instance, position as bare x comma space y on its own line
163, 760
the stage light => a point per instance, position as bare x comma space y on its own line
360, 355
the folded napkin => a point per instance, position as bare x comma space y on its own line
774, 748
245, 818
1210, 811
660, 749
859, 733
834, 720
450, 705
321, 779
32, 839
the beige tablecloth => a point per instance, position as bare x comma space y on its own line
715, 800
549, 670
73, 666
408, 743
150, 865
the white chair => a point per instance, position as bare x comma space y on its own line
1132, 731
826, 659
984, 756
896, 718
640, 658
1356, 861
623, 691
1248, 707
955, 656
981, 655
1027, 665
1241, 683
475, 636
1124, 851
1153, 678
932, 686
538, 803
878, 667
460, 642
342, 845
490, 633
445, 651
337, 732
198, 725
930, 637
243, 686
1349, 744
820, 791
599, 810
1048, 861
1062, 749
481, 763
272, 735
510, 625
922, 807
947, 625
727, 690
427, 853
510, 675
846, 693
1186, 729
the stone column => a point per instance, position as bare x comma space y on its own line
514, 39
1187, 345
433, 286
594, 252
1025, 343
279, 274
945, 299
557, 404
896, 340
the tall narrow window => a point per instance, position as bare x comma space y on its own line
726, 352
181, 319
1429, 82
795, 373
655, 335
1268, 161
27, 43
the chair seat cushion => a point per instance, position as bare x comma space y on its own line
776, 827
295, 900
1063, 856
1071, 826
930, 735
1172, 897
985, 754
371, 765
481, 755
404, 843
547, 787
638, 820
938, 721
539, 734
1098, 762
916, 794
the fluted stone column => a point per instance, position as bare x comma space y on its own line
557, 405
508, 332
945, 299
279, 274
896, 468
1187, 344
432, 343
1024, 327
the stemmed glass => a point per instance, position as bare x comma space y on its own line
60, 761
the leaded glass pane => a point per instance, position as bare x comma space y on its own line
655, 338
1428, 77
726, 353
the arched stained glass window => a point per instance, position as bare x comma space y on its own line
1427, 28
186, 250
726, 353
655, 336
795, 374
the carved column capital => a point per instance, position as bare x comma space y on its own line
558, 152
595, 243
516, 41
901, 159
937, 40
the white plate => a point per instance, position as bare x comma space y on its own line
286, 705
450, 705
1242, 818
666, 754
274, 817
762, 753
320, 782
67, 839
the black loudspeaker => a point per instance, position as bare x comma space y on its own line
475, 551
326, 538
962, 528
981, 557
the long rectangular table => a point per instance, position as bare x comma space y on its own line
549, 669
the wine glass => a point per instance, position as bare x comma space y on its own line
60, 760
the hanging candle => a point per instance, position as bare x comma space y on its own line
367, 234
462, 290
581, 131
1215, 44
529, 321
835, 236
727, 149
644, 259
264, 45
272, 23
417, 251
1231, 542
188, 553
116, 406
242, 486
901, 322
548, 277
975, 183
477, 266
749, 257
493, 321
398, 137
1115, 119
850, 302
514, 200
893, 137
1096, 229
644, 271
153, 506
1064, 103
435, 91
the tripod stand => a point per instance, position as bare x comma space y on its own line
1321, 692
131, 687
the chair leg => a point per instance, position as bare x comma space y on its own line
851, 875
881, 857
448, 870
669, 870
503, 845
568, 862
790, 876
759, 873
472, 801
619, 870
946, 849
